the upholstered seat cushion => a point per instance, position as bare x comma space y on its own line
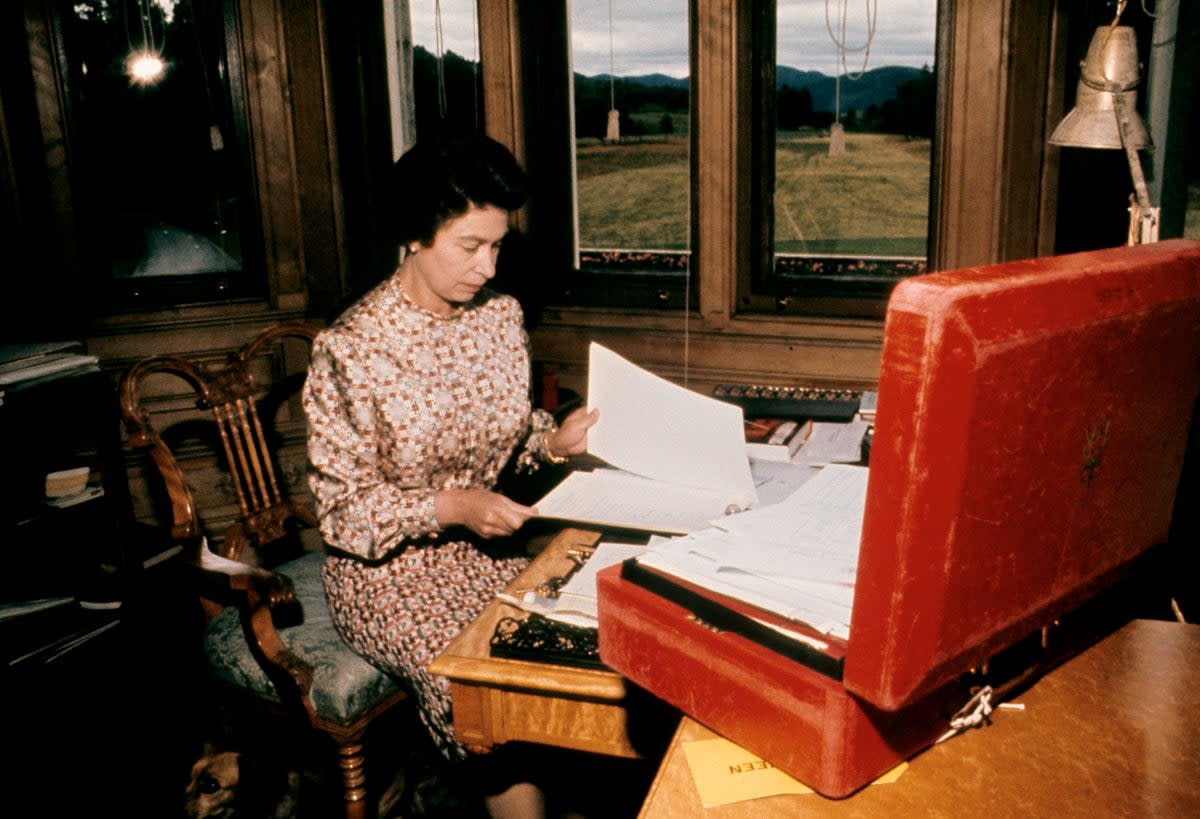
345, 685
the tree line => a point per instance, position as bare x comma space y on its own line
657, 104
910, 112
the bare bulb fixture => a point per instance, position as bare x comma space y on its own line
145, 64
145, 67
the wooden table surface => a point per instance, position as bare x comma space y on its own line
499, 700
1113, 732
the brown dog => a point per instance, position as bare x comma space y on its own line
229, 784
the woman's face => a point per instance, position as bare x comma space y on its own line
460, 260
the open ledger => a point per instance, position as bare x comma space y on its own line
678, 458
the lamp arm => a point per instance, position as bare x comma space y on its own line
1143, 226
1135, 164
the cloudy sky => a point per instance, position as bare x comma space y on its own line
650, 36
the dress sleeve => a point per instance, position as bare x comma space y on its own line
359, 509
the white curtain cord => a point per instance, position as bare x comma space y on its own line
440, 53
612, 82
839, 38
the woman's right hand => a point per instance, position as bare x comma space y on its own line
487, 514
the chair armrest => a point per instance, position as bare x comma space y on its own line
264, 600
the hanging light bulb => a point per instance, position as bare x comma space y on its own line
145, 67
145, 64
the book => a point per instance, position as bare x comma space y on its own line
28, 369
676, 459
29, 628
16, 356
82, 496
866, 408
56, 647
776, 439
24, 608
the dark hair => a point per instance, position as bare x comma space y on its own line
437, 180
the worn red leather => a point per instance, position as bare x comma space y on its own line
1031, 426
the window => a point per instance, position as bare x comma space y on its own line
811, 224
629, 63
854, 119
158, 149
628, 188
447, 95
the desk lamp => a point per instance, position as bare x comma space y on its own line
1105, 116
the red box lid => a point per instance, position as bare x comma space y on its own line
1031, 426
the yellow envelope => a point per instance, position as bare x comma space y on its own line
726, 773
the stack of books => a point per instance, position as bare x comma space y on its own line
866, 408
22, 363
43, 629
776, 439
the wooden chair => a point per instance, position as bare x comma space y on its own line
268, 637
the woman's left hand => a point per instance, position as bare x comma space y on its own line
571, 437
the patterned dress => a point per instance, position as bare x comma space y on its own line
400, 404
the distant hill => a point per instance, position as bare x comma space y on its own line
874, 87
901, 106
648, 80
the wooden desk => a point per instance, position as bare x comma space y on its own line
1115, 731
501, 700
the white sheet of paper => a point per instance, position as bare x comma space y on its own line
797, 558
777, 480
612, 497
823, 517
805, 603
709, 554
660, 430
833, 442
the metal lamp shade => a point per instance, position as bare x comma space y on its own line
1111, 66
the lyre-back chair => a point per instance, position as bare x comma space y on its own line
268, 636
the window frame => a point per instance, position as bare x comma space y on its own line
731, 222
114, 293
975, 157
293, 170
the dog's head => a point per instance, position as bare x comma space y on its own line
227, 784
212, 790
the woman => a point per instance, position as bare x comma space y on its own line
416, 397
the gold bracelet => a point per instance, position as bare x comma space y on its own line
550, 456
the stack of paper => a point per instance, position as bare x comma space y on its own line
681, 468
797, 559
680, 457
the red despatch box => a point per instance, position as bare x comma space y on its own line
1031, 427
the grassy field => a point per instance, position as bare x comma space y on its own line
871, 200
634, 194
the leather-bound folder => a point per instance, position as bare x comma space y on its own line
1032, 419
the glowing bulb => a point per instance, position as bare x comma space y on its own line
145, 67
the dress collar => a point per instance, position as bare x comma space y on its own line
401, 295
